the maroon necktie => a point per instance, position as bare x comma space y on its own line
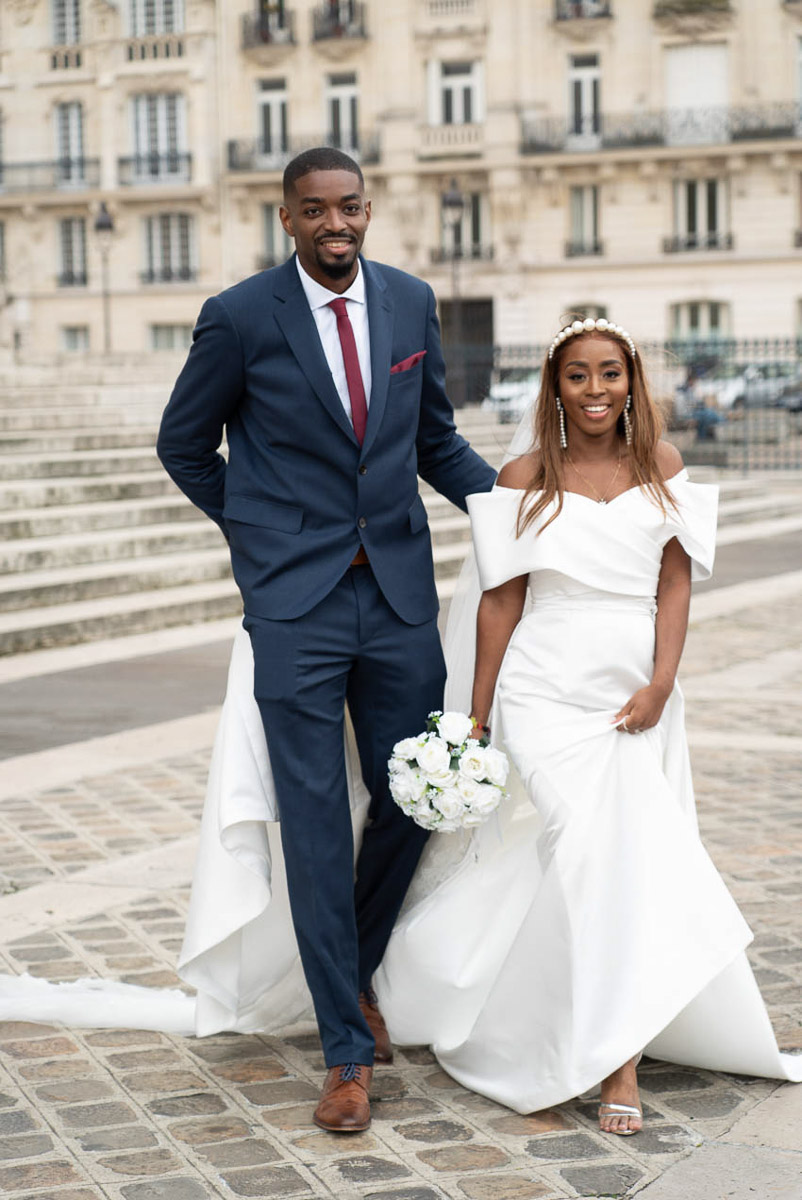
353, 373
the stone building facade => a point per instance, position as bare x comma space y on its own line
637, 157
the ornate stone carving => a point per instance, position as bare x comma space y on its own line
23, 10
690, 18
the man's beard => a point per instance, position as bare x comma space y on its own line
337, 270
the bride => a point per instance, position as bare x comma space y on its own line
585, 923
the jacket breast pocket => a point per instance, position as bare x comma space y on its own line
285, 518
418, 517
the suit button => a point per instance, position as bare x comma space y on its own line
363, 470
362, 522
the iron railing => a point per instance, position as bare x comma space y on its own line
568, 10
253, 154
61, 174
671, 8
168, 275
680, 242
345, 19
72, 279
268, 29
733, 404
159, 46
66, 58
450, 254
664, 127
142, 169
584, 248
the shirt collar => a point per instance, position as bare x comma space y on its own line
319, 296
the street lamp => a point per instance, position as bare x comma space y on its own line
104, 229
452, 208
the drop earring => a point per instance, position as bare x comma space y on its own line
628, 421
563, 434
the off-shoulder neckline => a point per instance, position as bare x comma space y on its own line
500, 487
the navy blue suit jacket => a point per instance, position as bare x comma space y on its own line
299, 495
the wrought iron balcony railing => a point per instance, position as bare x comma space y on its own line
567, 10
253, 154
584, 248
72, 279
674, 8
665, 127
450, 254
63, 173
268, 29
451, 8
168, 275
678, 243
140, 170
345, 19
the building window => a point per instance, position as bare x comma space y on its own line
278, 246
274, 141
468, 237
700, 319
72, 243
70, 142
169, 249
696, 93
75, 338
584, 100
456, 93
170, 337
581, 312
342, 112
584, 210
66, 22
701, 216
150, 18
159, 136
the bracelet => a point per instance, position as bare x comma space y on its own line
478, 725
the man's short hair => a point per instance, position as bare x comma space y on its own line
320, 158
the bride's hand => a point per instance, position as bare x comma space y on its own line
643, 710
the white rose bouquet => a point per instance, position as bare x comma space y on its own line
445, 779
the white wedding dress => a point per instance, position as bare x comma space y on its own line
583, 923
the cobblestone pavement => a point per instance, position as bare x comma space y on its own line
147, 1116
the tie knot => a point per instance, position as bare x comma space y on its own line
339, 306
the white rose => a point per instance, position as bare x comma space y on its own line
426, 816
442, 779
472, 763
434, 755
497, 766
467, 787
486, 800
448, 826
407, 785
454, 727
450, 803
407, 748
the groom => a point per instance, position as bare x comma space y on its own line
327, 375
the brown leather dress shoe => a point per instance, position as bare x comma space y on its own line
370, 1011
344, 1105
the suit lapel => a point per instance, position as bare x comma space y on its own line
296, 322
381, 315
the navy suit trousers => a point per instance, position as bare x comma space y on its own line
351, 648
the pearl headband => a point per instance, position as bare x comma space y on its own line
602, 325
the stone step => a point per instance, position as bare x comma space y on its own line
115, 616
96, 517
41, 493
47, 442
27, 555
80, 464
68, 585
27, 418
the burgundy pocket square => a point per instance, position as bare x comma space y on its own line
407, 363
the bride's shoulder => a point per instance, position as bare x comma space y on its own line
519, 473
669, 459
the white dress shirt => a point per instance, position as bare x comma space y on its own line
319, 298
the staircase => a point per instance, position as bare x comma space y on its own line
97, 542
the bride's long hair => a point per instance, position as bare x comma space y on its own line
646, 423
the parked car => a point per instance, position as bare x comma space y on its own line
512, 389
738, 385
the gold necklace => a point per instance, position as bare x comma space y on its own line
599, 499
